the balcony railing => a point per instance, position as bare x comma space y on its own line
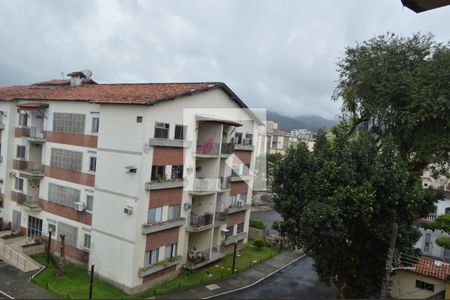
238, 206
199, 222
29, 168
155, 227
206, 184
199, 258
227, 148
208, 148
220, 218
29, 201
164, 184
34, 133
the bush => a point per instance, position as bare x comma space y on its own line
443, 241
259, 244
257, 223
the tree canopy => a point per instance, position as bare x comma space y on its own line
338, 203
400, 87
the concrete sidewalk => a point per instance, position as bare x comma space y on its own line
239, 281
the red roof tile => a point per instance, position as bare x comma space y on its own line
136, 93
432, 268
33, 105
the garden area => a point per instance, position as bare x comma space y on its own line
75, 283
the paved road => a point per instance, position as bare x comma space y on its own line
17, 284
267, 216
298, 280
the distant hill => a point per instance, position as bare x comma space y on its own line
308, 122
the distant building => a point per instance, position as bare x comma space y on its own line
279, 141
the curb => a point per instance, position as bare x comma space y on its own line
257, 281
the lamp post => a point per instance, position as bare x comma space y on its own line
91, 284
234, 257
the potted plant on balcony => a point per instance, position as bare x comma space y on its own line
161, 178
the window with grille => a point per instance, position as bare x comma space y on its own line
424, 285
65, 159
174, 212
154, 215
21, 151
87, 241
18, 184
89, 202
240, 228
170, 251
161, 130
230, 230
151, 256
95, 123
158, 173
63, 195
180, 131
177, 172
70, 233
67, 122
23, 120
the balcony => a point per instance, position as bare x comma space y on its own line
159, 142
244, 145
208, 149
158, 266
155, 227
227, 148
165, 184
29, 169
30, 202
235, 238
34, 134
220, 218
199, 258
239, 206
197, 223
205, 186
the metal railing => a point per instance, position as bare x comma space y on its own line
30, 166
198, 221
227, 148
208, 148
33, 132
25, 200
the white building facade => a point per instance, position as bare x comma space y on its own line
142, 179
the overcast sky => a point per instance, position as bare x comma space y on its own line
276, 54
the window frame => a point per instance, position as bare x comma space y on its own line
174, 209
151, 256
18, 179
177, 172
162, 129
173, 248
177, 130
89, 198
92, 163
156, 171
156, 215
95, 123
240, 228
19, 150
88, 239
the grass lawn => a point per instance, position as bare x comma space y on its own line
74, 282
221, 269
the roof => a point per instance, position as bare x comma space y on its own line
123, 93
57, 82
433, 268
424, 5
205, 118
33, 105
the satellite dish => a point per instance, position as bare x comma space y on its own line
87, 73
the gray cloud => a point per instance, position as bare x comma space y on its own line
275, 54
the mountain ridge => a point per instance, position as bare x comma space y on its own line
310, 122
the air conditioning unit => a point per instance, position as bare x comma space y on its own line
79, 206
128, 210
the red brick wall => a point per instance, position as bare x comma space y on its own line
167, 156
69, 175
160, 198
66, 212
236, 218
159, 274
161, 238
72, 139
69, 251
244, 156
239, 187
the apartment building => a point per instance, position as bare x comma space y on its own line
142, 179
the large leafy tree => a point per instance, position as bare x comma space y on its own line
400, 87
338, 203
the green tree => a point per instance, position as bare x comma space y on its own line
339, 201
400, 87
272, 159
442, 223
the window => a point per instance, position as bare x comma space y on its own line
18, 184
243, 198
232, 200
238, 138
21, 152
236, 170
70, 232
424, 285
158, 173
161, 130
70, 123
174, 212
63, 195
240, 228
248, 139
447, 210
230, 231
87, 241
171, 251
151, 256
180, 132
65, 159
177, 172
92, 163
89, 202
23, 120
95, 123
154, 215
139, 119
